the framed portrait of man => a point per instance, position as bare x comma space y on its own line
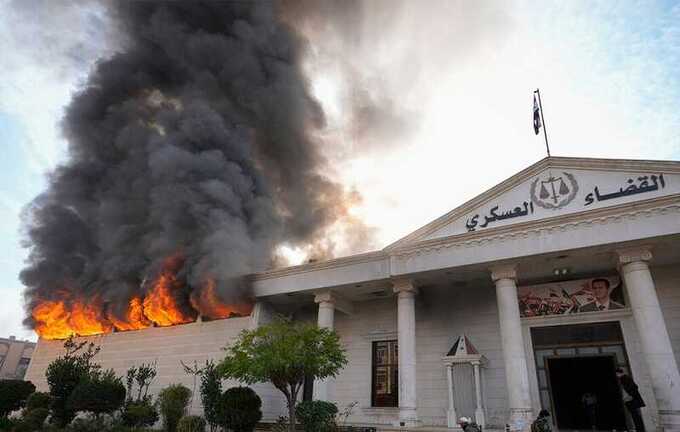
597, 294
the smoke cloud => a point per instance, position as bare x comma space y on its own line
195, 143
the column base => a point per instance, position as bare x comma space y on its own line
520, 419
669, 420
479, 417
408, 417
451, 419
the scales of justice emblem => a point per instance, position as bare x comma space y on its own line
554, 192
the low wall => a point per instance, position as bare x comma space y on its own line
168, 347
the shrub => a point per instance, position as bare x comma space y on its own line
13, 394
191, 424
102, 393
173, 404
316, 415
139, 414
33, 420
240, 409
38, 400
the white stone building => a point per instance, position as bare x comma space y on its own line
555, 277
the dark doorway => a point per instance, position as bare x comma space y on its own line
573, 377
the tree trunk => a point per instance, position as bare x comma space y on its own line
291, 414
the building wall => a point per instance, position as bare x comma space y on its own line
14, 356
167, 347
442, 314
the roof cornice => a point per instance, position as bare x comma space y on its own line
321, 265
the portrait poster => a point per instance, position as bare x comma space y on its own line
576, 296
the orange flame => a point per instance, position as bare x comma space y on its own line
208, 303
134, 318
52, 320
86, 320
160, 305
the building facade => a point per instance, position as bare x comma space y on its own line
527, 297
15, 356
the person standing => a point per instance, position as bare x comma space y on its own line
589, 402
632, 399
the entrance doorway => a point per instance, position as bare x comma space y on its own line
585, 393
574, 360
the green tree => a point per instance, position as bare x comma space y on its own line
101, 393
240, 409
173, 405
211, 393
13, 395
65, 373
284, 353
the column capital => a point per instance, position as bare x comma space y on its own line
404, 286
328, 298
631, 255
324, 297
506, 271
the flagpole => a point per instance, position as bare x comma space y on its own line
545, 132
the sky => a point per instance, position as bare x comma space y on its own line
428, 103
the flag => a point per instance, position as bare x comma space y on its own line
537, 117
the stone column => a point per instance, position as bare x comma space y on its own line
516, 372
656, 345
479, 409
406, 340
451, 419
326, 302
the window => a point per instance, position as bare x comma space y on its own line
21, 367
385, 384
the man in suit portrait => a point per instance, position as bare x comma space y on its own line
600, 290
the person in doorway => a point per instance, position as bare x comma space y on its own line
600, 290
468, 425
589, 402
632, 399
542, 422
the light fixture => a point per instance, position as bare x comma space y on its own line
561, 271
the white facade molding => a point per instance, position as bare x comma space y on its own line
571, 222
585, 165
380, 335
658, 217
321, 265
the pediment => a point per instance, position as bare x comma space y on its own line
553, 187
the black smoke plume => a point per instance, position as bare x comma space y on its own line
195, 139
